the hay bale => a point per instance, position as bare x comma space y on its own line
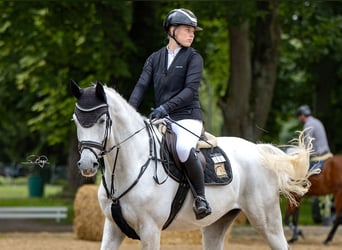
89, 219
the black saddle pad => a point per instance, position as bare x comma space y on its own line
218, 170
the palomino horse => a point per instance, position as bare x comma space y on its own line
329, 181
109, 129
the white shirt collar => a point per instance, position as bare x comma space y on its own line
171, 55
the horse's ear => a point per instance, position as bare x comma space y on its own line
75, 89
100, 91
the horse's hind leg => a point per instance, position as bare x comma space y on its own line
338, 219
332, 232
267, 220
213, 235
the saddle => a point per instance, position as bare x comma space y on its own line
215, 163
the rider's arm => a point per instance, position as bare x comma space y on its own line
142, 85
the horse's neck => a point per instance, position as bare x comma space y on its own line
125, 119
130, 134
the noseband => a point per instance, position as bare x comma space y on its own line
87, 118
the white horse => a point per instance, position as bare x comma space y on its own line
118, 134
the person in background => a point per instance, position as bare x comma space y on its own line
314, 128
175, 72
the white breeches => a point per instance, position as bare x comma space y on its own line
186, 140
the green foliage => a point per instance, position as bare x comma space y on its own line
216, 67
309, 68
43, 45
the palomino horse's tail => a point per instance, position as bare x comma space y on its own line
291, 169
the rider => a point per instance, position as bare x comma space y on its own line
175, 72
314, 129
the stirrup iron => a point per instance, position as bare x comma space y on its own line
201, 207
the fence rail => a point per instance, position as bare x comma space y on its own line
57, 213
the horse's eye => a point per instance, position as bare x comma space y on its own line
101, 121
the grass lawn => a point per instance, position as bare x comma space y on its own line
21, 191
14, 192
18, 188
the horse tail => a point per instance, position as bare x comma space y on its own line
292, 168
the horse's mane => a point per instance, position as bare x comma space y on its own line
116, 101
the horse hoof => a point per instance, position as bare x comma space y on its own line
301, 234
290, 241
326, 242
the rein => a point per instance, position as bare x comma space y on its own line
199, 137
104, 151
111, 193
102, 146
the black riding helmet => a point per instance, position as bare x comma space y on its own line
178, 17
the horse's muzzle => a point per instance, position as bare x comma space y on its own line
88, 164
88, 172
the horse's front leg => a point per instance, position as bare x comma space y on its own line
150, 236
112, 236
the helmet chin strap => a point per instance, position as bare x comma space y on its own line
173, 36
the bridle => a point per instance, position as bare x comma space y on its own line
102, 147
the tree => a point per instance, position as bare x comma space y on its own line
46, 44
145, 43
253, 68
309, 69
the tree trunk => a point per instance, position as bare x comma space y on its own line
247, 102
144, 19
326, 82
265, 61
235, 103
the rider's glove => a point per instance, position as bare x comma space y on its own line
158, 113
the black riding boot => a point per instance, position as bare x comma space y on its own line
194, 171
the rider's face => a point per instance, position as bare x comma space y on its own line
185, 35
302, 118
